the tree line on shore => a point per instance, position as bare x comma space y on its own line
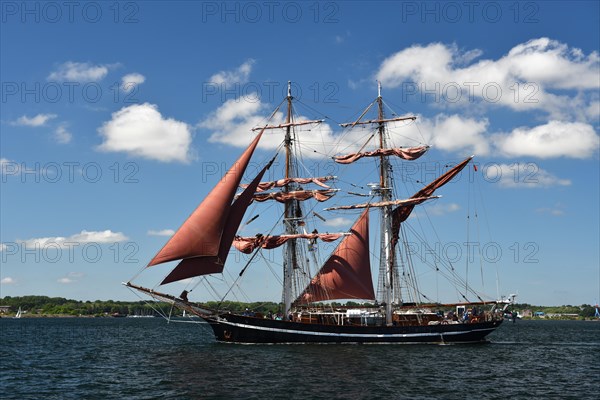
44, 305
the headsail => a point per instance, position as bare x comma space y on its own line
400, 214
201, 234
347, 272
203, 265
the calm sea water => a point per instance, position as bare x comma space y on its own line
128, 358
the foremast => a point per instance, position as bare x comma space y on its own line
292, 210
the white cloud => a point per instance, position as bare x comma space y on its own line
130, 81
339, 39
79, 72
141, 130
233, 121
434, 209
82, 237
523, 175
238, 75
438, 209
457, 134
106, 236
552, 63
339, 222
9, 167
521, 80
593, 110
163, 232
38, 120
453, 133
461, 134
62, 135
421, 64
554, 139
555, 211
71, 277
8, 281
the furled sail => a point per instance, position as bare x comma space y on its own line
347, 272
410, 153
400, 214
401, 202
249, 244
301, 195
284, 182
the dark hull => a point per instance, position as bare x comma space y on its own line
241, 329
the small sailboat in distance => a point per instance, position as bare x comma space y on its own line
397, 312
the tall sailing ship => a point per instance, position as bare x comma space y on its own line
398, 312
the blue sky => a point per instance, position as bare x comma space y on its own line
117, 118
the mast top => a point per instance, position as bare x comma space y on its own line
289, 94
378, 89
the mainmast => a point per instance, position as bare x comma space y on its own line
290, 212
383, 190
386, 256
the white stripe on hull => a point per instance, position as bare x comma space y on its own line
352, 335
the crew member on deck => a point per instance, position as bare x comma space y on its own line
183, 295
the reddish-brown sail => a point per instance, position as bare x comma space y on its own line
249, 244
203, 265
284, 182
401, 202
410, 153
347, 272
400, 214
300, 195
200, 234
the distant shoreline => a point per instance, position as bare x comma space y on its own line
58, 307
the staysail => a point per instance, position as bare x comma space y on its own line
201, 235
203, 265
347, 272
400, 214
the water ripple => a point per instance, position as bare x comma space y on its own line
86, 358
